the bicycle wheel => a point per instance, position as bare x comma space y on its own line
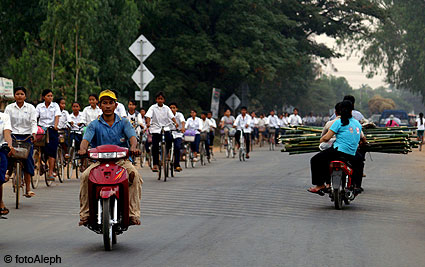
187, 157
228, 148
59, 164
37, 172
17, 182
171, 164
201, 152
70, 165
165, 161
77, 165
46, 171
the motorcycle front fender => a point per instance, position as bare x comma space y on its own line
109, 191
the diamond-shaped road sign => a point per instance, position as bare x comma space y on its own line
142, 49
233, 102
141, 45
147, 76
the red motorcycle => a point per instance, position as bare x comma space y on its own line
341, 189
108, 194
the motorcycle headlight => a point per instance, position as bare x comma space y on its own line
108, 155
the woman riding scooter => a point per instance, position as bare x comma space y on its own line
348, 134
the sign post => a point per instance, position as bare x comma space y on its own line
142, 49
215, 102
233, 102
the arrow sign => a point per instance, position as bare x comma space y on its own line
141, 48
233, 102
142, 72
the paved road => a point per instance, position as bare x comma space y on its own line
232, 213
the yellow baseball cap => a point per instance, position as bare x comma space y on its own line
107, 93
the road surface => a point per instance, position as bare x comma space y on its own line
231, 213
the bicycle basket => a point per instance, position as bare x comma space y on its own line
176, 135
204, 136
61, 136
22, 150
40, 140
232, 132
189, 138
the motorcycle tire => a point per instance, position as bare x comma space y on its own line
107, 230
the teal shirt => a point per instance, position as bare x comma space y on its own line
98, 132
347, 137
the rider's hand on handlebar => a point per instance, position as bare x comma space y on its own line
134, 151
82, 152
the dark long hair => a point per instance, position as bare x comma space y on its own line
421, 116
346, 109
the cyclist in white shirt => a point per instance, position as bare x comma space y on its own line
5, 137
141, 119
213, 128
273, 125
133, 114
76, 120
273, 120
159, 115
243, 124
205, 131
420, 123
93, 111
64, 118
254, 127
178, 140
195, 124
295, 119
24, 124
49, 113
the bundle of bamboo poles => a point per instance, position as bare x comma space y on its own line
394, 140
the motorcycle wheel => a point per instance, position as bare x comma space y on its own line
106, 225
338, 199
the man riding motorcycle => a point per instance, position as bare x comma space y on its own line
111, 129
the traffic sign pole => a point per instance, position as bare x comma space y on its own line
141, 76
142, 49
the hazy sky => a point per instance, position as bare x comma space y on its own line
350, 69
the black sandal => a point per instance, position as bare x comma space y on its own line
4, 211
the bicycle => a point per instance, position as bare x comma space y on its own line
188, 139
22, 150
41, 167
272, 133
74, 161
242, 150
202, 148
163, 166
230, 151
222, 141
60, 158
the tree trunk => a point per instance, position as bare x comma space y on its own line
77, 67
52, 70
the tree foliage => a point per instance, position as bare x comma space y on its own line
395, 44
263, 50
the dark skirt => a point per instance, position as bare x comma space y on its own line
52, 147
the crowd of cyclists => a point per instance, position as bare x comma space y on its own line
52, 136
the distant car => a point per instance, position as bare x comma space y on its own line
375, 118
401, 115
